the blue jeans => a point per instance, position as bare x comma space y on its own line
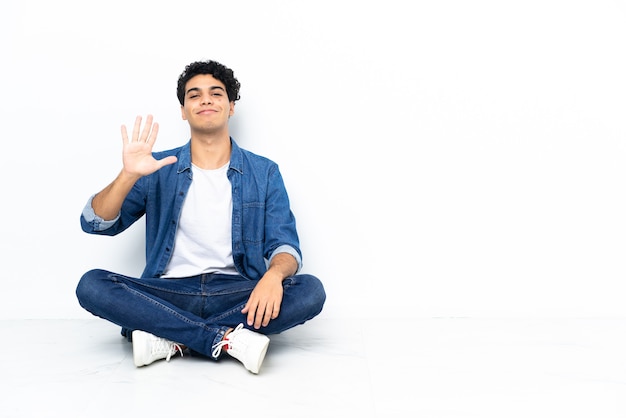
193, 311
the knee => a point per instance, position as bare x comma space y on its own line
315, 292
321, 294
319, 290
89, 287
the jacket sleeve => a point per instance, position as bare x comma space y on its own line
280, 223
133, 208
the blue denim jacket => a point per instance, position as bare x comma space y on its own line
262, 222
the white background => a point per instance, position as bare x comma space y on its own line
449, 158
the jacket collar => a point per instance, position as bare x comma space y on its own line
236, 157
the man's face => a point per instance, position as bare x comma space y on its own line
206, 105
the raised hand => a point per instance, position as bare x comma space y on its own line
137, 150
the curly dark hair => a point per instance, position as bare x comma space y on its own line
217, 70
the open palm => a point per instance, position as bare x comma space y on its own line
137, 150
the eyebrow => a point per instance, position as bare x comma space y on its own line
194, 89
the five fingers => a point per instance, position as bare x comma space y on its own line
261, 315
148, 134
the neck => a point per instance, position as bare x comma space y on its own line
210, 153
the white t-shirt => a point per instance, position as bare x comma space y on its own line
203, 242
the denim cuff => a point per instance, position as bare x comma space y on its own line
289, 250
97, 222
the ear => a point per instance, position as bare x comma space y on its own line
232, 109
182, 112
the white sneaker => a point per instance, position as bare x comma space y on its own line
148, 348
246, 346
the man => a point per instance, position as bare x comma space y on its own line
222, 250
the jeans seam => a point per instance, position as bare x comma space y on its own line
162, 306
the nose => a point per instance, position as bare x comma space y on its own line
206, 99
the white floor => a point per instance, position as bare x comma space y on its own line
327, 368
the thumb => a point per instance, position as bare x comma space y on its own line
167, 161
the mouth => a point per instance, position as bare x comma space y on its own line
207, 112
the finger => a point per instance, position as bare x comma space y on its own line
271, 313
250, 309
267, 317
147, 128
259, 319
136, 128
251, 319
153, 133
275, 312
261, 316
167, 161
124, 134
